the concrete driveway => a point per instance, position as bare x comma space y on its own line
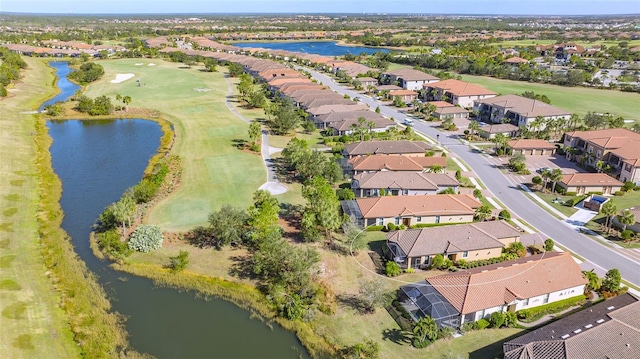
534, 162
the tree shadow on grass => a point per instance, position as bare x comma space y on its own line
353, 302
238, 143
241, 268
397, 336
493, 350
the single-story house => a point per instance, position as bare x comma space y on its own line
609, 329
400, 147
519, 110
408, 79
590, 182
372, 184
531, 147
516, 60
367, 81
411, 210
324, 121
389, 88
351, 125
452, 112
375, 163
490, 131
415, 248
472, 294
405, 95
325, 109
457, 92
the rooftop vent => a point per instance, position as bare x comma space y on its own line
611, 308
577, 331
599, 321
588, 326
565, 336
486, 270
500, 267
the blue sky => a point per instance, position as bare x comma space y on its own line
519, 7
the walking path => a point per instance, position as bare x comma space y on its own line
272, 185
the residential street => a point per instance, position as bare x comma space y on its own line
602, 257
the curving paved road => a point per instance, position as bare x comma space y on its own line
601, 257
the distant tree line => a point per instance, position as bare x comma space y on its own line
10, 67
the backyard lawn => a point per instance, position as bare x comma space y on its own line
630, 199
215, 171
550, 198
578, 100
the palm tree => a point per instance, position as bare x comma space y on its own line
425, 329
361, 125
593, 281
608, 209
501, 141
436, 169
546, 174
482, 213
626, 218
556, 175
126, 100
473, 127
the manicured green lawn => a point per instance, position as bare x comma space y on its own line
32, 324
578, 100
550, 197
630, 199
215, 171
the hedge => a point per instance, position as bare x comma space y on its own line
484, 262
533, 314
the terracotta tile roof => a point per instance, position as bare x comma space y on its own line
499, 128
611, 339
346, 124
460, 88
287, 79
367, 79
441, 104
451, 110
341, 116
328, 100
411, 75
524, 106
605, 134
452, 239
279, 72
403, 93
395, 163
386, 147
527, 144
325, 109
590, 179
389, 87
405, 180
485, 287
427, 205
516, 60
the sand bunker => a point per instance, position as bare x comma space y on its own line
152, 64
139, 64
122, 77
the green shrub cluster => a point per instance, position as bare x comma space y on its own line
375, 228
10, 67
483, 262
146, 238
147, 188
392, 269
88, 72
533, 314
101, 105
110, 243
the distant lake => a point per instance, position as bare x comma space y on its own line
325, 48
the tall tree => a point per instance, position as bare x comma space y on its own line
474, 126
608, 209
285, 119
482, 213
263, 215
555, 176
626, 218
254, 131
322, 212
126, 100
593, 281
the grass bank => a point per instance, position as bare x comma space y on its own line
32, 324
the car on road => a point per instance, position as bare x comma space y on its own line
408, 122
542, 169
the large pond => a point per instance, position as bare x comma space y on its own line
96, 162
325, 48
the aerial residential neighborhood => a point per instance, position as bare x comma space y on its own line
370, 186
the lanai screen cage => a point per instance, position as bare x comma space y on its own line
427, 301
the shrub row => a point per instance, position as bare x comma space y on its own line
533, 314
483, 262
